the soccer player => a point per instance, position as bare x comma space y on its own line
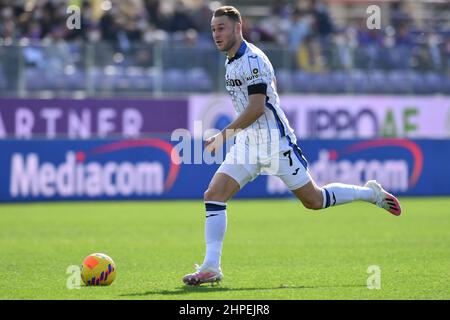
262, 134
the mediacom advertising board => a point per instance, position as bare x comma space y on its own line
150, 168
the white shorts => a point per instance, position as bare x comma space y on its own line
287, 162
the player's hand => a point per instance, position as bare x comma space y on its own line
215, 142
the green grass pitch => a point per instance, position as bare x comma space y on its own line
274, 249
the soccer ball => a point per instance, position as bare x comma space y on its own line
98, 270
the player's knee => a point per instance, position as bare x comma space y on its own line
207, 195
211, 195
312, 204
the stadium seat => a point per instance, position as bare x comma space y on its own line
322, 83
153, 78
136, 78
174, 80
102, 78
35, 79
198, 80
446, 84
416, 82
400, 82
336, 82
284, 80
378, 82
76, 80
2, 81
339, 82
303, 82
358, 81
398, 58
433, 83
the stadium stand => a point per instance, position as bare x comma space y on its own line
152, 46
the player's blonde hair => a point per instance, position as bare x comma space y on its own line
229, 11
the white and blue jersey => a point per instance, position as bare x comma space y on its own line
268, 146
248, 72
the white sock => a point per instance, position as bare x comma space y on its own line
215, 227
339, 193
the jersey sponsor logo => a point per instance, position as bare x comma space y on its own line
254, 75
233, 83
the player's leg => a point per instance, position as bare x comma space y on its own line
228, 180
333, 194
220, 190
293, 171
314, 197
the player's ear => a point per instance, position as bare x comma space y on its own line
238, 27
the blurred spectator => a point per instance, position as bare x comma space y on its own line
309, 56
34, 31
8, 25
399, 16
125, 31
247, 29
9, 66
403, 36
275, 27
370, 42
56, 52
202, 21
299, 29
181, 20
108, 27
322, 20
436, 48
156, 17
86, 23
447, 54
345, 43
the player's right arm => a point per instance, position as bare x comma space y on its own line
254, 110
257, 76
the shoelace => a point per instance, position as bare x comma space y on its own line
197, 268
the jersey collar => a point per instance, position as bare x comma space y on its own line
239, 53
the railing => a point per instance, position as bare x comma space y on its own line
103, 70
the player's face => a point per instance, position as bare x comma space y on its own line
224, 32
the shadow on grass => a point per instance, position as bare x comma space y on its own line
207, 289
